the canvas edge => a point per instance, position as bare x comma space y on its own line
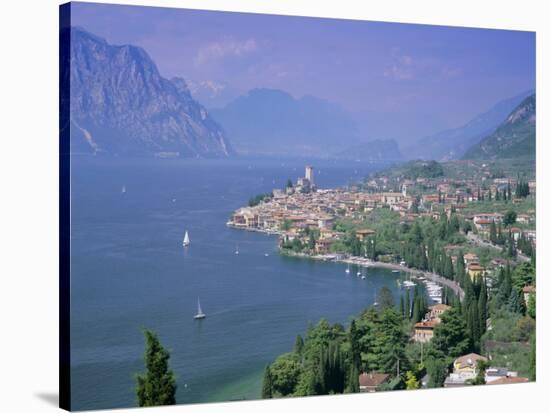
64, 208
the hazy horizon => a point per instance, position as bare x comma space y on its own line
422, 78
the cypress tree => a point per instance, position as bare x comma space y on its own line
353, 380
407, 305
322, 373
449, 271
473, 325
422, 306
516, 302
355, 348
469, 294
482, 307
500, 239
460, 269
267, 384
299, 345
417, 309
157, 386
493, 233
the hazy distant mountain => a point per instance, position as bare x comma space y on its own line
376, 150
120, 104
212, 94
514, 138
453, 143
272, 122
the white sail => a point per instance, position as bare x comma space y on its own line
186, 240
199, 314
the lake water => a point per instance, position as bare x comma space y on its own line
130, 272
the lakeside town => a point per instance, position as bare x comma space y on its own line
465, 229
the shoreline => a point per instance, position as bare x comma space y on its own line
365, 262
362, 262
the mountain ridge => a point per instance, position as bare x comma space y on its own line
120, 104
514, 138
453, 143
268, 121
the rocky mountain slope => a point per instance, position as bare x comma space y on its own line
120, 104
453, 143
514, 138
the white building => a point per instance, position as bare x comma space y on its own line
309, 175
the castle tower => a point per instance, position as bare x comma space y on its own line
309, 175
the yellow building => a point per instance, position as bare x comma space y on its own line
475, 270
468, 363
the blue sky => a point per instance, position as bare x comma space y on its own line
399, 80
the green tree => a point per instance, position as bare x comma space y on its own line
505, 287
411, 382
389, 342
385, 297
482, 307
299, 345
267, 384
450, 338
480, 377
157, 386
509, 218
437, 371
285, 372
523, 274
473, 326
353, 380
355, 349
493, 233
516, 302
460, 269
532, 306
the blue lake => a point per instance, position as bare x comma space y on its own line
129, 272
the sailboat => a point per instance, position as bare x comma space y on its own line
123, 190
347, 270
200, 315
186, 240
237, 250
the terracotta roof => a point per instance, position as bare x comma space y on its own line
427, 324
509, 380
372, 379
365, 231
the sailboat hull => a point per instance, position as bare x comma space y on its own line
199, 316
